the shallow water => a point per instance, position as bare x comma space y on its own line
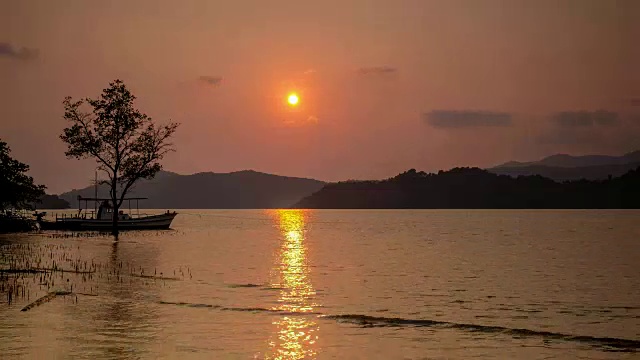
289, 284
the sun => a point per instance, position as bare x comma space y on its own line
293, 99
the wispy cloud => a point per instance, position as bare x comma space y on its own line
589, 128
301, 121
573, 119
9, 51
211, 80
455, 119
377, 70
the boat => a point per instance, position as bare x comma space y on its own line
102, 219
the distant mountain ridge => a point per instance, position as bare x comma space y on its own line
563, 167
565, 160
250, 189
246, 189
473, 188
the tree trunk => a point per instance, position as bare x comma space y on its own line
114, 200
114, 230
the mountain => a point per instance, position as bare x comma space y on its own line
563, 167
564, 160
473, 188
558, 173
236, 190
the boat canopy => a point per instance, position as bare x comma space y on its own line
108, 199
105, 202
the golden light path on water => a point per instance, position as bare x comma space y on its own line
295, 336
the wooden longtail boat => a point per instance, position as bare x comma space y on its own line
102, 220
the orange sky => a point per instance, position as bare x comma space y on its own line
384, 85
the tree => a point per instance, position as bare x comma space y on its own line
125, 143
17, 189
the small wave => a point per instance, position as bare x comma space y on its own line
373, 321
243, 285
271, 311
261, 286
605, 343
459, 302
247, 309
239, 309
624, 307
273, 288
193, 305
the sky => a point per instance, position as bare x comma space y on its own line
384, 85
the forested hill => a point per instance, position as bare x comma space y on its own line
237, 190
562, 167
474, 188
48, 201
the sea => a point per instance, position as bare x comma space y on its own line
330, 284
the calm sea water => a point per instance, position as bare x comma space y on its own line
291, 284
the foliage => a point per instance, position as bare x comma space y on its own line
17, 189
11, 223
125, 142
52, 202
473, 188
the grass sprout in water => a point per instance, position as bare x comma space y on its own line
33, 274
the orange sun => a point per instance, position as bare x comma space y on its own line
293, 99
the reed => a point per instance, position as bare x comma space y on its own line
42, 269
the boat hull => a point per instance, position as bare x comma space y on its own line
153, 222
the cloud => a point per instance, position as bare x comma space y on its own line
377, 70
9, 51
211, 80
454, 119
591, 130
577, 119
301, 121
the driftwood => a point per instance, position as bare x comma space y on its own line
43, 270
156, 277
50, 296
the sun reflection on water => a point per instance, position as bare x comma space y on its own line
295, 336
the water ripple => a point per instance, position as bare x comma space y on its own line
366, 321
